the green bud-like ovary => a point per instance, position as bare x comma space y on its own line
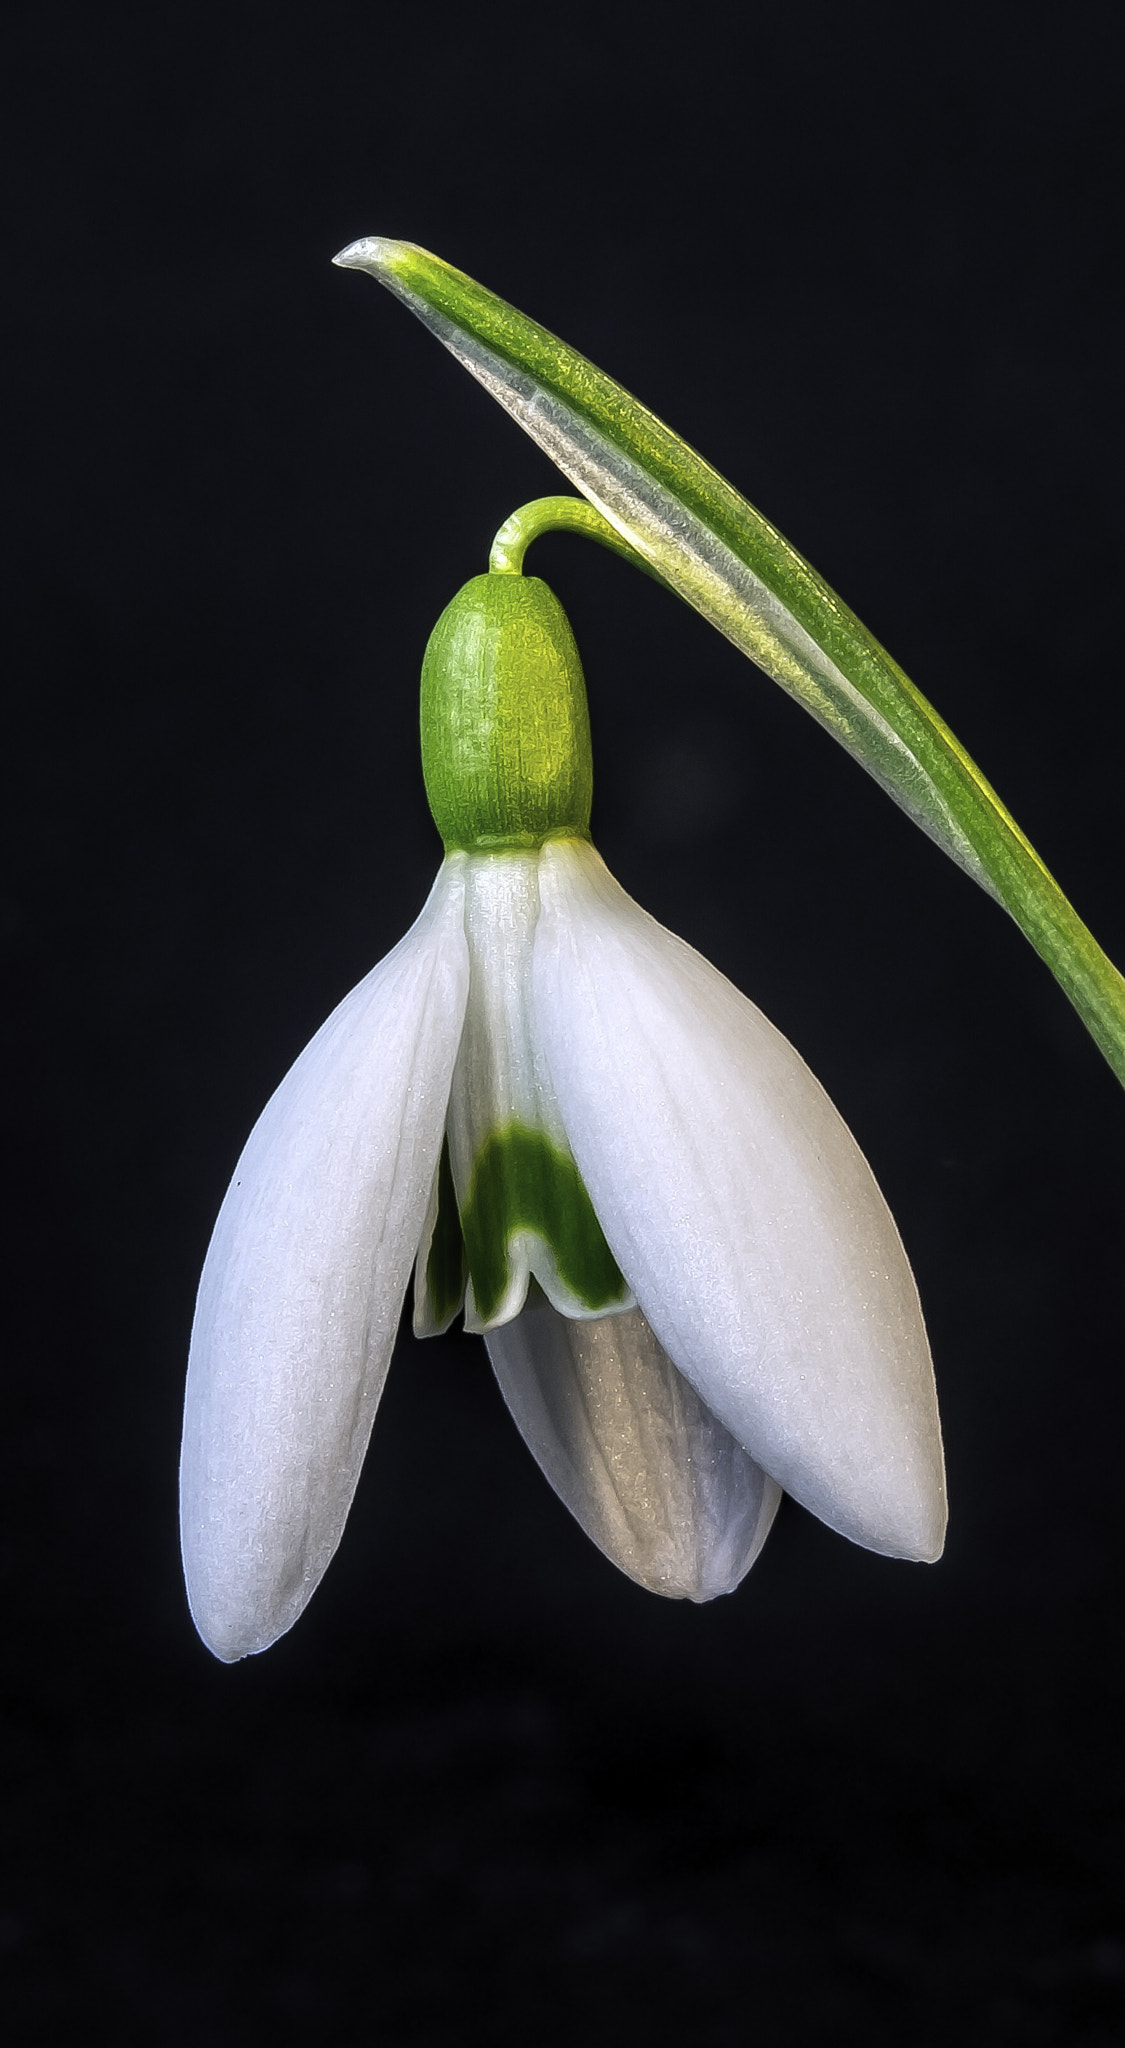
505, 728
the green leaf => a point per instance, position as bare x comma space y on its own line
720, 555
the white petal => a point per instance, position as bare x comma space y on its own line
628, 1445
741, 1211
303, 1283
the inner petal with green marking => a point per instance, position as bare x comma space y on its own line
509, 1204
524, 1189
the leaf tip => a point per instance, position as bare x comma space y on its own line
374, 253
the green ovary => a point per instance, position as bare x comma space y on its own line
504, 724
521, 1181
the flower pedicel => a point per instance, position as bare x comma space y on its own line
570, 1126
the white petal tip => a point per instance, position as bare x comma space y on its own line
228, 1653
915, 1533
230, 1644
917, 1553
930, 1549
236, 1619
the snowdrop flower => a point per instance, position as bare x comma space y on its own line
568, 1124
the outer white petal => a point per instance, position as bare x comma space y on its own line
303, 1283
741, 1211
631, 1449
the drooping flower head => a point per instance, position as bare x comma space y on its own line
577, 1133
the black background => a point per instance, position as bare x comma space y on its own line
487, 1790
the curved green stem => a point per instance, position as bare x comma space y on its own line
559, 515
722, 556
